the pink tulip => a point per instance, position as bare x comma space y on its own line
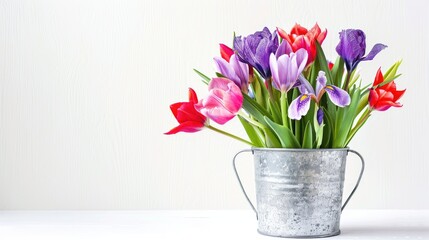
223, 102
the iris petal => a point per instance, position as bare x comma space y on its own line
299, 107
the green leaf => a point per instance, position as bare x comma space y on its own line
251, 132
219, 75
321, 60
271, 141
349, 114
318, 129
391, 72
260, 91
275, 111
205, 79
363, 102
338, 72
353, 78
308, 136
254, 109
328, 131
285, 135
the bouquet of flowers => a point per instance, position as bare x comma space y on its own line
285, 92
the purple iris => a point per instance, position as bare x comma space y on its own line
235, 70
352, 48
256, 48
300, 106
286, 68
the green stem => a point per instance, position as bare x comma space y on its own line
250, 120
359, 124
346, 85
229, 135
283, 106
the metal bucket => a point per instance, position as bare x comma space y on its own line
299, 191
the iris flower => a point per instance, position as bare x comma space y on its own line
300, 106
256, 48
352, 48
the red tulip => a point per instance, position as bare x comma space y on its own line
225, 52
300, 37
383, 97
190, 120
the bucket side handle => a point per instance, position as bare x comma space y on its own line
359, 178
239, 180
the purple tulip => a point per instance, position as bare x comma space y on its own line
234, 70
300, 106
256, 48
352, 48
287, 68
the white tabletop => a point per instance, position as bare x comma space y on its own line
189, 225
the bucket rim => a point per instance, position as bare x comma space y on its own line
299, 149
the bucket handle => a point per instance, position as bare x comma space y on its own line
253, 207
359, 178
239, 180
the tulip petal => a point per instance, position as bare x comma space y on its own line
225, 52
378, 78
298, 30
337, 95
241, 70
192, 95
385, 105
398, 94
299, 107
282, 33
301, 60
223, 67
275, 71
284, 48
223, 102
188, 127
373, 98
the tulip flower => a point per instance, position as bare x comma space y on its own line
383, 97
287, 68
352, 47
190, 120
223, 102
234, 70
225, 52
301, 38
256, 48
300, 106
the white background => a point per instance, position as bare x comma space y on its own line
85, 88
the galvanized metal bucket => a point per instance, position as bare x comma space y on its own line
299, 191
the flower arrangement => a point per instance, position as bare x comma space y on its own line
285, 92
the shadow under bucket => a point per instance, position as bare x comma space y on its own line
299, 191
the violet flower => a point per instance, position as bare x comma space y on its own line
256, 48
234, 70
352, 48
300, 106
287, 68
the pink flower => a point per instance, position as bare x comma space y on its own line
223, 102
